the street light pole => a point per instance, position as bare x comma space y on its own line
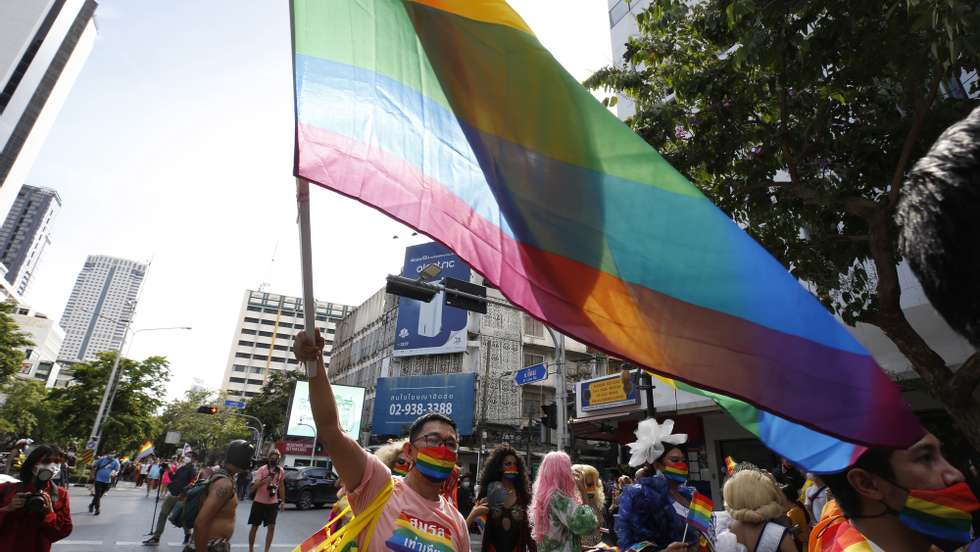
560, 390
97, 425
313, 450
114, 381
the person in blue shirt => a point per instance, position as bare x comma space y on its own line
104, 467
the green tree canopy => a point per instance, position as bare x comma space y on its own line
800, 120
272, 404
24, 410
207, 434
133, 414
12, 343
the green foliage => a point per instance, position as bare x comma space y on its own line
272, 404
24, 410
799, 119
12, 342
206, 433
132, 417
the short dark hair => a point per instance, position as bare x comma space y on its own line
938, 225
876, 461
669, 447
413, 432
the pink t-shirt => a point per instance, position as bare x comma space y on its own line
262, 495
409, 521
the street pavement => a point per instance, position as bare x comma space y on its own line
125, 520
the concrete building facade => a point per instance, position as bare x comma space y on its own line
26, 232
263, 338
43, 46
102, 301
41, 358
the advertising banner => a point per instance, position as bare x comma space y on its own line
350, 404
613, 391
431, 328
399, 401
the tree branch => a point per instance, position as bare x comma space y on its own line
910, 139
965, 381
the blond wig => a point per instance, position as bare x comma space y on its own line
752, 497
587, 479
388, 453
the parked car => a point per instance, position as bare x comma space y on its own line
308, 487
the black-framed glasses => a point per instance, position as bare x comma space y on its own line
433, 440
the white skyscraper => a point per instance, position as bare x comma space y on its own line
43, 45
263, 339
103, 299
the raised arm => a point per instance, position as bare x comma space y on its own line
347, 456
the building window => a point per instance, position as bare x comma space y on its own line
247, 331
533, 327
242, 355
531, 359
250, 394
256, 370
252, 320
238, 368
237, 380
244, 343
255, 382
618, 11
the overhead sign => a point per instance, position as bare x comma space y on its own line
172, 438
350, 404
431, 328
234, 404
399, 401
531, 374
607, 392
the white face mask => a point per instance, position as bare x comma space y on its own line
55, 469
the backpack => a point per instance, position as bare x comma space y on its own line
185, 512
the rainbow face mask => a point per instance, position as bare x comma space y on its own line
401, 467
510, 472
676, 472
941, 513
436, 463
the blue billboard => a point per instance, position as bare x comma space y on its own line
399, 401
431, 328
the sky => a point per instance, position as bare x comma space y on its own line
175, 146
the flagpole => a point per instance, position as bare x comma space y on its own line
306, 263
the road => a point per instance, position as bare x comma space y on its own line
125, 520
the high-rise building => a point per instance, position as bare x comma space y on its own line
102, 301
26, 232
43, 45
263, 339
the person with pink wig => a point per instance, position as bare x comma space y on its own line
558, 516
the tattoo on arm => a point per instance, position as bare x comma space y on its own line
223, 491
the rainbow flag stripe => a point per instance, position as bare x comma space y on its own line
699, 512
451, 117
810, 450
678, 473
409, 538
145, 450
435, 463
944, 513
729, 465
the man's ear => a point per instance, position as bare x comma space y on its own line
409, 451
866, 485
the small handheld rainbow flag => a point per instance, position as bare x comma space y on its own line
729, 465
145, 450
699, 513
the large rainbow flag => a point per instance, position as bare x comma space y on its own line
450, 116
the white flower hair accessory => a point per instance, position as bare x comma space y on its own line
650, 439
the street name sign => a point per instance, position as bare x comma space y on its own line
531, 374
234, 404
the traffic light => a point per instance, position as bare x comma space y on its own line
550, 418
207, 409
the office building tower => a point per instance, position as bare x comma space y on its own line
43, 46
26, 232
102, 301
263, 339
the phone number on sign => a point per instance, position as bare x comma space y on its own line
417, 409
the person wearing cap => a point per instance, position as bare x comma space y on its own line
215, 522
910, 500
